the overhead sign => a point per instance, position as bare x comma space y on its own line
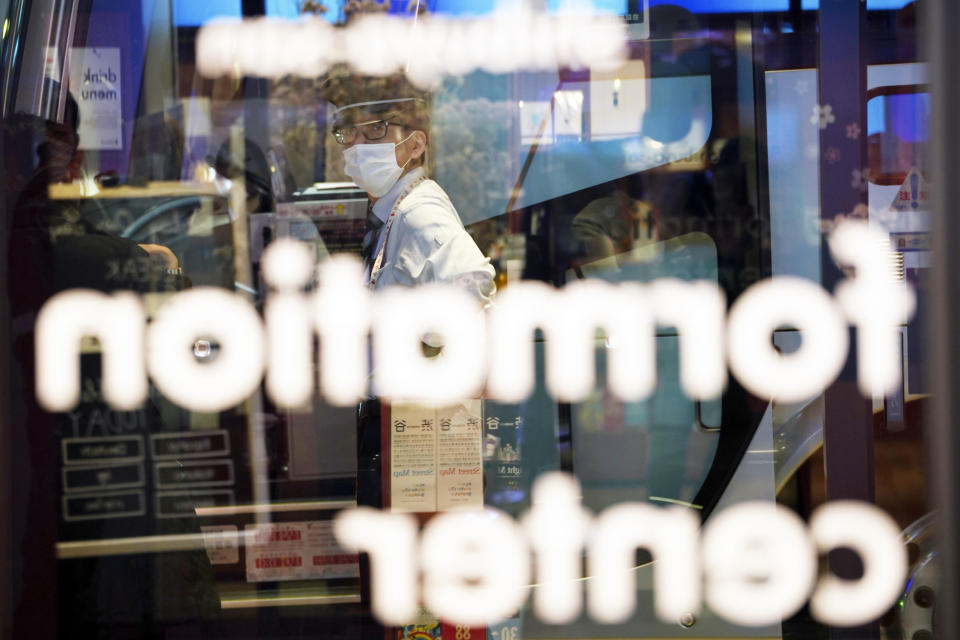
180, 445
195, 473
94, 478
104, 506
95, 82
184, 504
113, 449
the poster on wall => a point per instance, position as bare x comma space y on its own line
413, 458
436, 458
95, 83
459, 456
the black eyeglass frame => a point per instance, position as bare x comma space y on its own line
361, 128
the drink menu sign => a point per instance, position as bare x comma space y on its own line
95, 82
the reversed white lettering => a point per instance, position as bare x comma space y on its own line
759, 560
118, 321
876, 539
380, 45
343, 312
232, 373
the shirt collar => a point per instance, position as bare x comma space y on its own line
384, 204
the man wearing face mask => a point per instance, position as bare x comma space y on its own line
414, 235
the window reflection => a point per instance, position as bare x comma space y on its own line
693, 158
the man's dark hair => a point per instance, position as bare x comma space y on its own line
255, 172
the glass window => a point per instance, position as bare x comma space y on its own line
568, 282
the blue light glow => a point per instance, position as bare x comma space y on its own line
462, 7
618, 7
621, 7
876, 116
726, 6
290, 9
872, 5
189, 13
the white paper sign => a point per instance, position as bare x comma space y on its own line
413, 458
459, 456
221, 543
296, 551
95, 83
568, 113
51, 64
436, 456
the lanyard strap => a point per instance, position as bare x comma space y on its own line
375, 267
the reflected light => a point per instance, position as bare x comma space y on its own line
274, 507
682, 503
88, 184
125, 546
288, 601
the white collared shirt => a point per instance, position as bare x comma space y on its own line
428, 243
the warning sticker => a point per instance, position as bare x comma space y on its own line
914, 194
296, 551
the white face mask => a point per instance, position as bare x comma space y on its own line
374, 166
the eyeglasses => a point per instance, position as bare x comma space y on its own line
373, 130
